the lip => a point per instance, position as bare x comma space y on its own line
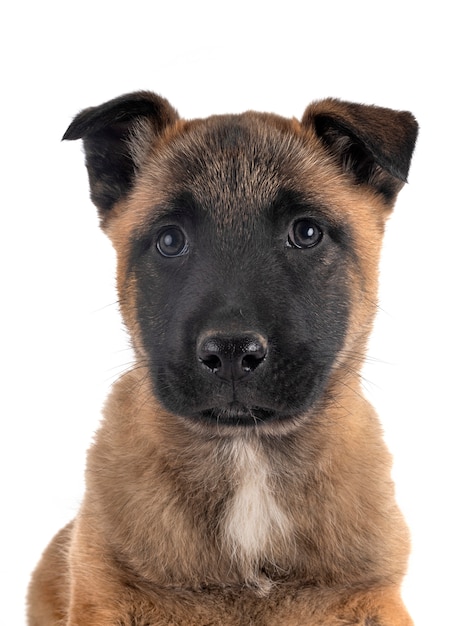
237, 414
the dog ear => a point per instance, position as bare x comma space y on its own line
116, 135
372, 143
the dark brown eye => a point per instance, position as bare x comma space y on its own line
171, 241
304, 233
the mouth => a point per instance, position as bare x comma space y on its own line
237, 414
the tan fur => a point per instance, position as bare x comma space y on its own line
293, 524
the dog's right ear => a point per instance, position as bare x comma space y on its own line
116, 136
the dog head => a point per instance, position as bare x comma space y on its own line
247, 247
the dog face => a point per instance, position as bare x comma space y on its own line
247, 248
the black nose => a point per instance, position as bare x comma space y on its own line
232, 357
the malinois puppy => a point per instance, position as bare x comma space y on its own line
239, 476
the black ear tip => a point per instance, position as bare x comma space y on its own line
69, 135
73, 132
80, 125
120, 112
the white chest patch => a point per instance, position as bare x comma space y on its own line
254, 522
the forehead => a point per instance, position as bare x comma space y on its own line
230, 165
238, 154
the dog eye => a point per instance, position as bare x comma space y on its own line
304, 233
171, 241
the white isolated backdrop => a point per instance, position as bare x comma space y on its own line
62, 342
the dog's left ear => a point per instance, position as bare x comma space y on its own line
116, 136
373, 144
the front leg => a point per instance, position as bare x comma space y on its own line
379, 607
128, 606
314, 606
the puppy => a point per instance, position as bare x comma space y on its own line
239, 476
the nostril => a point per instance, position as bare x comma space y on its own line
212, 361
253, 353
211, 353
251, 362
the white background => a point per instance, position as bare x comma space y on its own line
62, 343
